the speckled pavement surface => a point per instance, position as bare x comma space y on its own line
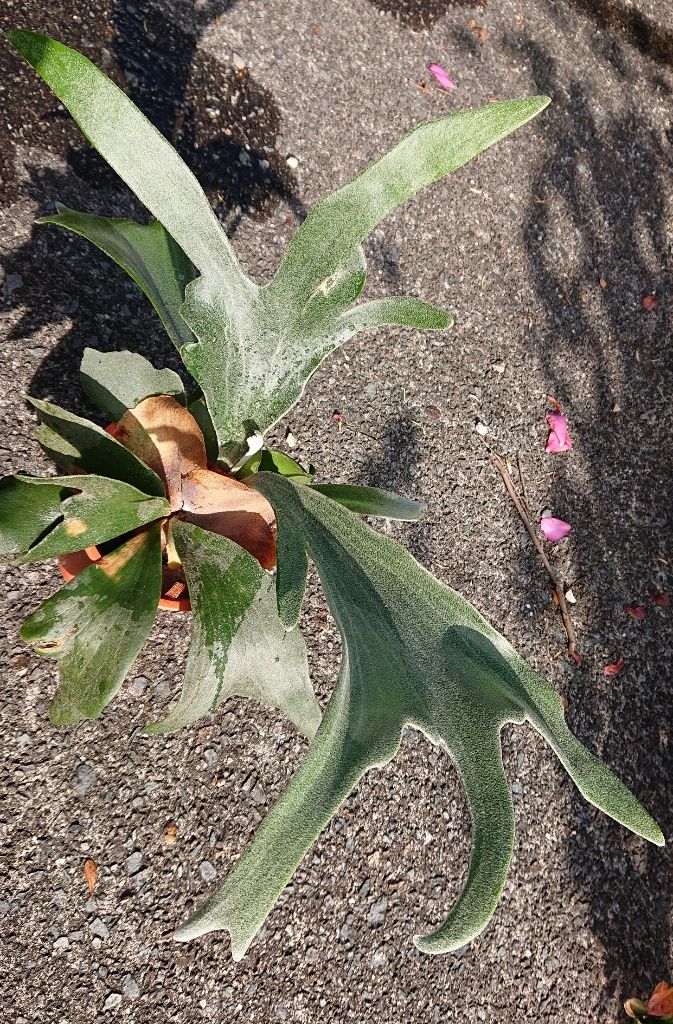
515, 246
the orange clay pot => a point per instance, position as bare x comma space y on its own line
72, 565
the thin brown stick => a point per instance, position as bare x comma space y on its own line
524, 490
532, 533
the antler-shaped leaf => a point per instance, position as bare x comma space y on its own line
257, 347
76, 443
101, 510
147, 253
238, 646
415, 653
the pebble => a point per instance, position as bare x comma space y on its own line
84, 778
376, 915
61, 943
138, 685
113, 1001
130, 988
481, 429
134, 863
498, 366
292, 162
208, 872
238, 61
99, 929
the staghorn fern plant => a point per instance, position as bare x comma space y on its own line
179, 491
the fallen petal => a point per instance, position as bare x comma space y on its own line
649, 302
658, 597
636, 612
559, 438
438, 73
615, 668
554, 529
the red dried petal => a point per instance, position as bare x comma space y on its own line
614, 669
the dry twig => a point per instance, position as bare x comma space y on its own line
524, 514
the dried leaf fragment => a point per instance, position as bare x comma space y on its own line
615, 668
229, 507
660, 1003
90, 874
636, 612
167, 438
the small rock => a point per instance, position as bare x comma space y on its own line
258, 794
291, 162
130, 988
208, 872
14, 281
142, 878
290, 439
370, 390
376, 915
83, 779
570, 597
138, 685
238, 61
379, 960
498, 366
113, 1001
134, 863
61, 943
481, 428
99, 929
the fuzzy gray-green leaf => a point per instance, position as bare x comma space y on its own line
75, 443
238, 646
373, 501
148, 254
101, 510
415, 653
96, 625
119, 381
29, 507
135, 149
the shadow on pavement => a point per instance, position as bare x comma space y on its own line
223, 122
596, 238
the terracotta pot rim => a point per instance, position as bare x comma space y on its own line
92, 554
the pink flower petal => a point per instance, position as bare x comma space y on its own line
559, 438
614, 669
554, 529
438, 73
